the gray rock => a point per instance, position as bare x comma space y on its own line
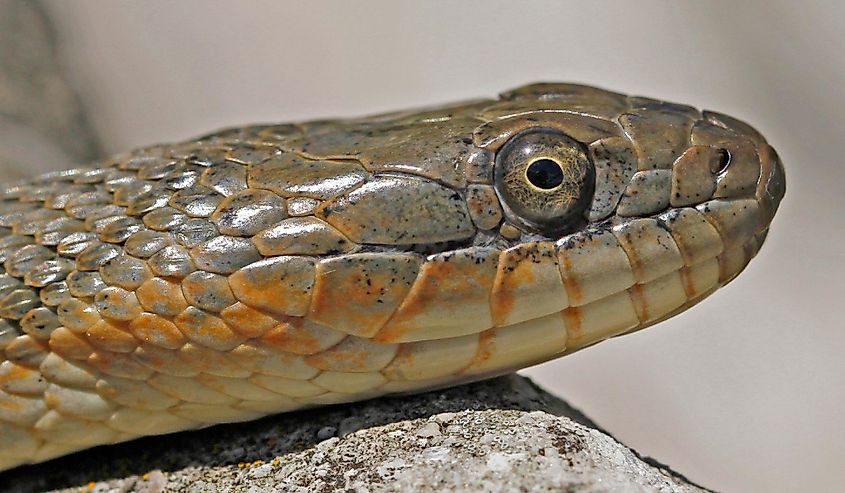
42, 123
504, 434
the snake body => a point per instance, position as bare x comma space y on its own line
270, 268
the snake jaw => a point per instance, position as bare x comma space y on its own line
269, 268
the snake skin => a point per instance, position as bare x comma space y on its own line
269, 268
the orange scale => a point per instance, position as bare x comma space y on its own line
301, 336
157, 330
247, 320
161, 296
111, 336
207, 330
69, 345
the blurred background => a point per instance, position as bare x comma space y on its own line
743, 393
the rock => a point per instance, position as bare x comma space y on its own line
42, 123
504, 434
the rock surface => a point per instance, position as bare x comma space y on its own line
42, 123
500, 435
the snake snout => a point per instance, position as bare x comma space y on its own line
772, 185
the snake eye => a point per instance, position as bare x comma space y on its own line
545, 178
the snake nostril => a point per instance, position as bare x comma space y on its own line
721, 164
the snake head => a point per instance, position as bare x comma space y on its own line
650, 205
580, 212
575, 200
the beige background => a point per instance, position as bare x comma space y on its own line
744, 392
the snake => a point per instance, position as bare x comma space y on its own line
270, 268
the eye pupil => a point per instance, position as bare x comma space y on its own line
544, 174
